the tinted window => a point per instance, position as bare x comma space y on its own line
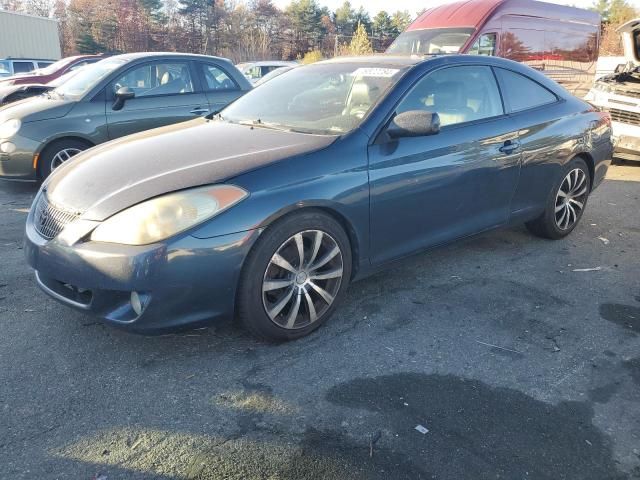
43, 64
521, 92
217, 79
22, 67
456, 94
157, 79
484, 45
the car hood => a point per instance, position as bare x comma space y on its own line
35, 109
631, 49
113, 176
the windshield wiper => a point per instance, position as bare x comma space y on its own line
259, 123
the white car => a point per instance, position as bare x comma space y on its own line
619, 94
254, 71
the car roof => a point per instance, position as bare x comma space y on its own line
473, 13
151, 55
381, 59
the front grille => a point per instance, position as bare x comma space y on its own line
627, 92
622, 116
50, 220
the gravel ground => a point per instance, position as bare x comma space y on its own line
517, 365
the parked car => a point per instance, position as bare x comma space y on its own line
619, 94
560, 41
15, 66
112, 98
254, 71
46, 74
273, 74
13, 93
270, 209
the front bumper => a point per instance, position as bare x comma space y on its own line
184, 282
626, 141
19, 164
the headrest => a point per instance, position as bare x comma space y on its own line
360, 94
449, 95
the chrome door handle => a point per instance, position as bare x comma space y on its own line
199, 111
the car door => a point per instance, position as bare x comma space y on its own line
165, 92
432, 189
220, 87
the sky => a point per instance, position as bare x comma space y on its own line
374, 6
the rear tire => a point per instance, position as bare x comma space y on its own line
294, 277
566, 202
58, 152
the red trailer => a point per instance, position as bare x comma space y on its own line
560, 41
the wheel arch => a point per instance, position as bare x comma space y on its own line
330, 210
52, 141
591, 165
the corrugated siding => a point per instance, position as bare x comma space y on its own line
25, 36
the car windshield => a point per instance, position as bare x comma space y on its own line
87, 78
325, 98
430, 41
56, 82
53, 68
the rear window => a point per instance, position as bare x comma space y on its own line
522, 93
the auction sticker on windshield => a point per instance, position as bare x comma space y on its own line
375, 72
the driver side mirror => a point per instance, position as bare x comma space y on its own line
122, 95
414, 123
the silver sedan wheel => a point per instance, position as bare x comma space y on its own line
62, 156
302, 279
571, 198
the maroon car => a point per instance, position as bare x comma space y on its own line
53, 71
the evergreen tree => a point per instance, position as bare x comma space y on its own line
383, 26
360, 43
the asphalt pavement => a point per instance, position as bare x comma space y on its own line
516, 358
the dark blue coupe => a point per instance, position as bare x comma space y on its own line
267, 210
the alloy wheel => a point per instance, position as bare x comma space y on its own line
571, 198
62, 156
302, 279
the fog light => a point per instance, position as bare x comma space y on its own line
136, 303
7, 147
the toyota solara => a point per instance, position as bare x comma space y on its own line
267, 210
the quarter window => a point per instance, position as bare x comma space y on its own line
157, 79
456, 94
484, 45
522, 93
217, 79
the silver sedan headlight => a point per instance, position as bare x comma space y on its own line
9, 128
162, 217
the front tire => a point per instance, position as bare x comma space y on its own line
566, 202
295, 276
57, 153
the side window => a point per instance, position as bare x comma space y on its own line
22, 67
216, 78
253, 73
522, 93
456, 94
484, 45
157, 79
43, 64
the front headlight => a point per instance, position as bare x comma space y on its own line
162, 217
9, 128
